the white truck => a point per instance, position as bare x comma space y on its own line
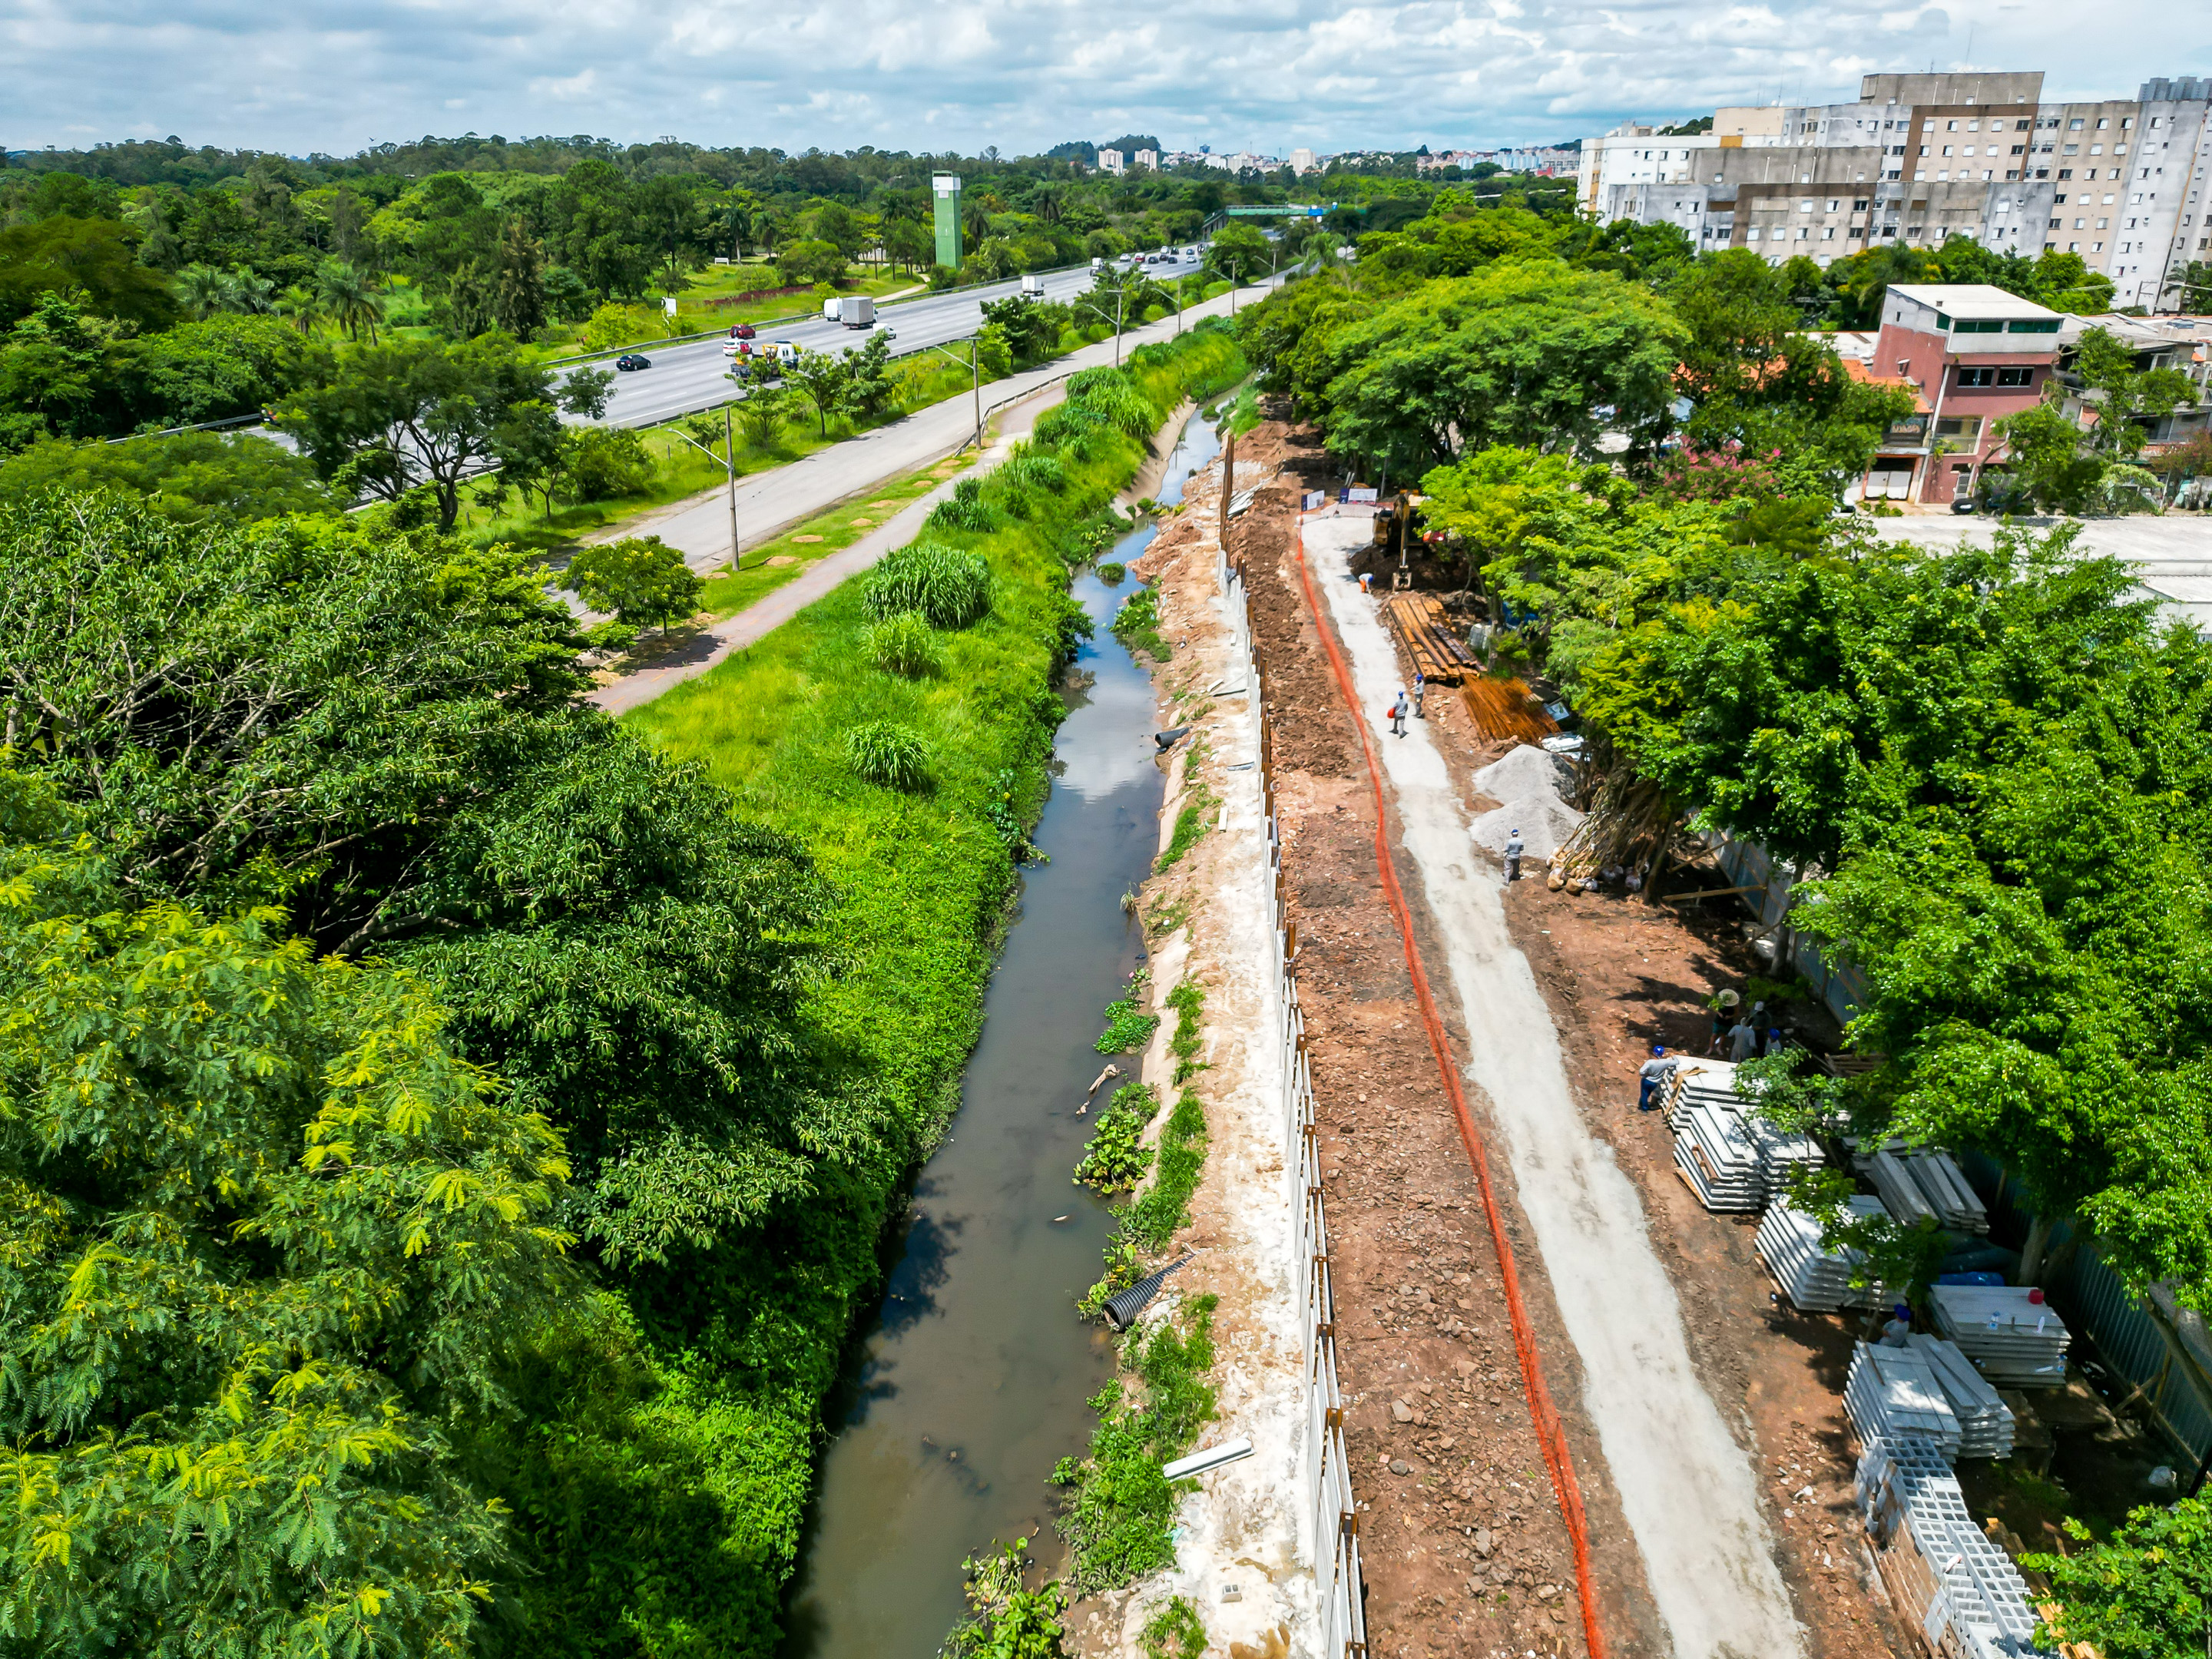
857, 311
830, 313
1033, 288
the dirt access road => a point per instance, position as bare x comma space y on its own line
1709, 1447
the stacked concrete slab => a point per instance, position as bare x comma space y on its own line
1986, 1422
2008, 1332
1815, 1280
1892, 1395
1978, 1601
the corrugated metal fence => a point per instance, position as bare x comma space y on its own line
2147, 1351
1333, 1509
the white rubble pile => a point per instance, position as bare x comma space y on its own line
1531, 785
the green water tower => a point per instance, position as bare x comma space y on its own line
947, 189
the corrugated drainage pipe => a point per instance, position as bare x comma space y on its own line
1122, 1309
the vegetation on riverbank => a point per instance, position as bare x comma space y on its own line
369, 879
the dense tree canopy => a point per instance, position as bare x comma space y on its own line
268, 1239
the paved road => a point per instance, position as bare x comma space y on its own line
769, 502
694, 375
2171, 552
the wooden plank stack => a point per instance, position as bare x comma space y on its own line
1986, 1422
1815, 1280
1506, 711
1892, 1395
2010, 1332
1422, 628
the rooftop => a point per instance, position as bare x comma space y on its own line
1970, 300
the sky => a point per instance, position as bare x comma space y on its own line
1022, 74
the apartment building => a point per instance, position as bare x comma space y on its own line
1919, 159
1974, 354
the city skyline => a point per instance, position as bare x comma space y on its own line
1505, 73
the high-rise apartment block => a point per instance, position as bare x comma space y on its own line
1920, 159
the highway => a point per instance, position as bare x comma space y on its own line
693, 375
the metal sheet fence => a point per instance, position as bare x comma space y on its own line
1333, 1509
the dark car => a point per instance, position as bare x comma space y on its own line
742, 331
631, 362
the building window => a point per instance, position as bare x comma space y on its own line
1968, 377
2016, 376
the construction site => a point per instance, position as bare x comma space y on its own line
1590, 1382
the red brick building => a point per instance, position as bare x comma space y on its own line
1975, 354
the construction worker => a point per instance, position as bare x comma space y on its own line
1653, 1075
1398, 713
1420, 689
1513, 850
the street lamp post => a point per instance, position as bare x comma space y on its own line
1120, 305
730, 468
975, 368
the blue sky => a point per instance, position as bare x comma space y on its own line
1020, 73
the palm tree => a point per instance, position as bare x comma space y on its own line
201, 289
247, 295
351, 298
302, 306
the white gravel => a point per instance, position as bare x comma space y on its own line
1686, 1485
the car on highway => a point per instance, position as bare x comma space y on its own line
630, 362
741, 331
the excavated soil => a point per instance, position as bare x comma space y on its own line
1617, 977
1464, 1547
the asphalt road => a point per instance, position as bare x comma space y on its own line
694, 375
768, 502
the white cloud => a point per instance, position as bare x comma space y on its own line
1020, 74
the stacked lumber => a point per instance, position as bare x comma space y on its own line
2007, 1331
1505, 710
1891, 1395
1962, 1590
1986, 1422
1815, 1280
1915, 1184
1420, 625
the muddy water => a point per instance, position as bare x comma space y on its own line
969, 1384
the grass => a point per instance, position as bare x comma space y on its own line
1187, 999
1151, 1221
1119, 1507
1174, 1632
768, 565
924, 882
1137, 625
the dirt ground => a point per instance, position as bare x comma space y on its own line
1464, 1549
1417, 1309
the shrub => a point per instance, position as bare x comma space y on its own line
1112, 572
904, 644
1030, 471
966, 509
1127, 1026
1119, 403
948, 587
1137, 624
888, 755
1114, 1160
603, 462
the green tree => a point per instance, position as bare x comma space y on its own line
254, 1275
95, 259
192, 477
518, 299
819, 377
2145, 1592
2048, 458
639, 579
352, 300
805, 263
1529, 354
378, 420
1239, 252
2129, 401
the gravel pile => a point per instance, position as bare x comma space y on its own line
1531, 783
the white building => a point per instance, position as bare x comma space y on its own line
1304, 161
1922, 158
1149, 159
1110, 160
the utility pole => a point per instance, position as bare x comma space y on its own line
730, 470
730, 448
976, 370
1228, 478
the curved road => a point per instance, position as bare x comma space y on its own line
694, 375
